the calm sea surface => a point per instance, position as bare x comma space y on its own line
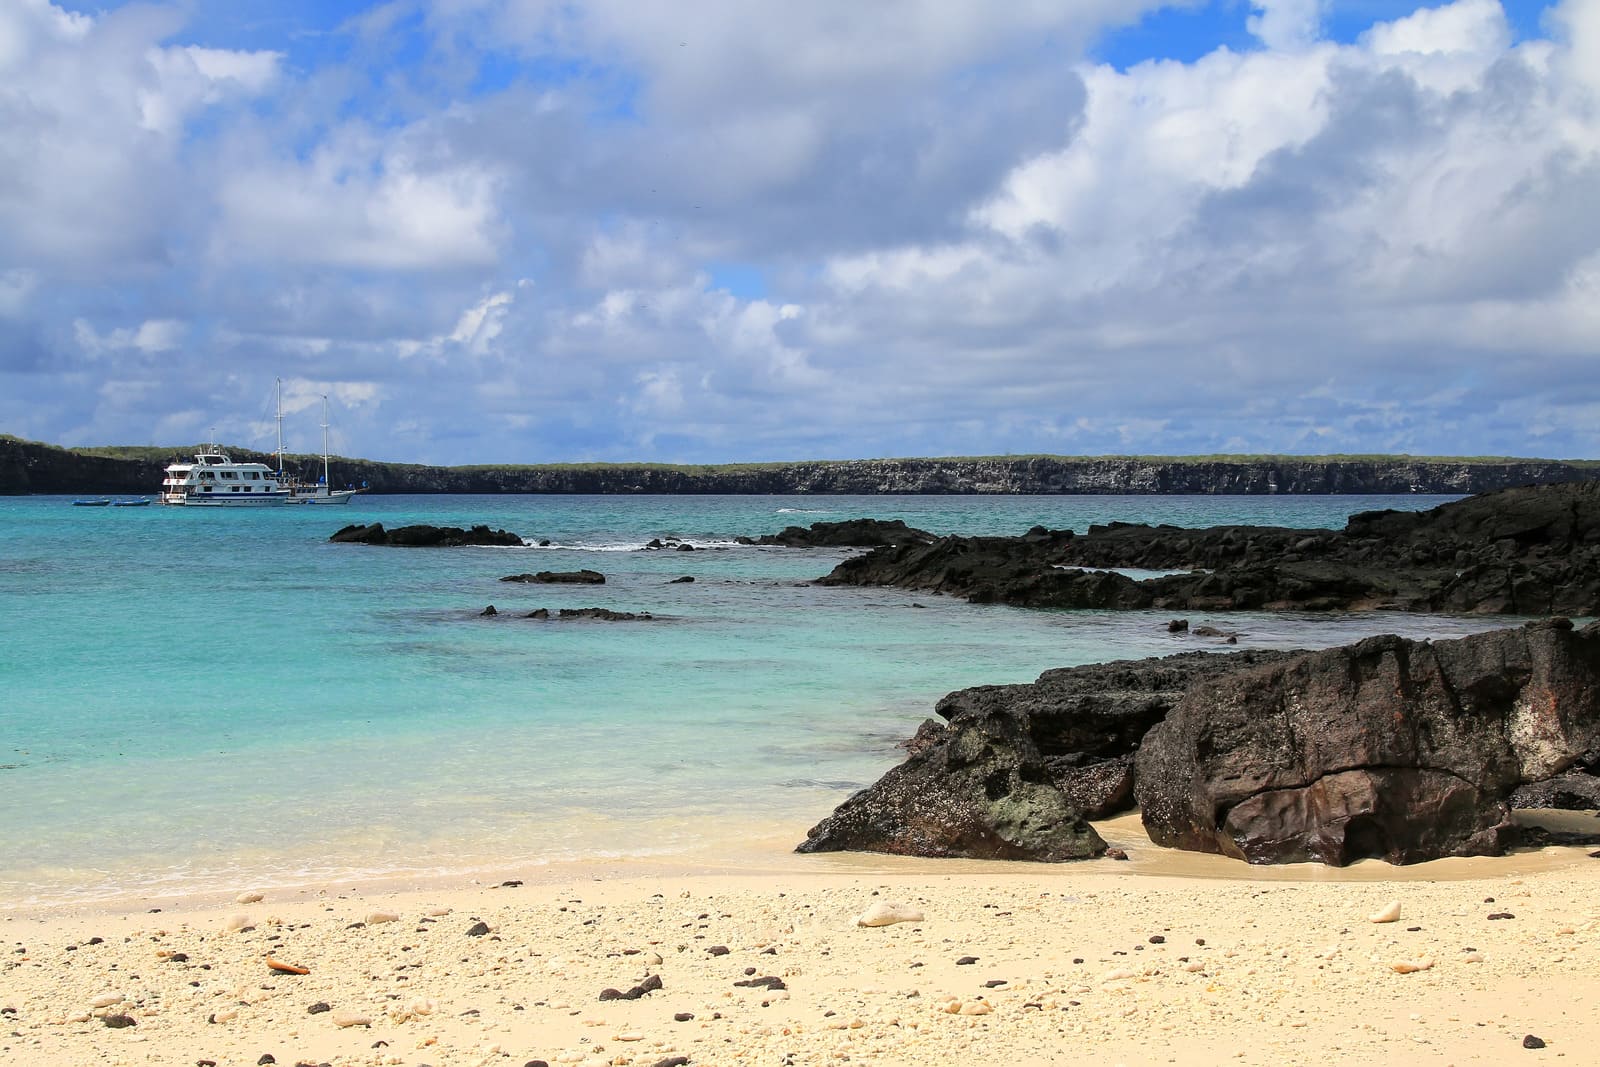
192, 699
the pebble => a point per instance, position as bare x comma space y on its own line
376, 917
1532, 1042
976, 1007
887, 913
345, 1019
249, 898
1412, 966
105, 1000
1389, 914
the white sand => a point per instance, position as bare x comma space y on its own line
1291, 969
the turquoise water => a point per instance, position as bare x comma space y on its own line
190, 698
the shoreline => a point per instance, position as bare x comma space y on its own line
771, 856
1154, 960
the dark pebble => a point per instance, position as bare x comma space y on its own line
319, 1007
672, 1061
179, 957
1157, 939
1116, 854
1488, 900
95, 941
994, 983
1200, 941
478, 929
266, 1057
768, 982
1595, 855
1501, 915
205, 1063
683, 1016
1532, 1042
117, 1022
966, 961
749, 971
536, 1063
512, 884
717, 950
1077, 959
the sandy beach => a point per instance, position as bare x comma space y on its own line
1164, 958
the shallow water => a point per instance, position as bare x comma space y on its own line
189, 698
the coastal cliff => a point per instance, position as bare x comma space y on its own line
30, 467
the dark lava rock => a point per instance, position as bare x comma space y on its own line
1532, 1042
490, 610
687, 578
1573, 791
852, 533
118, 1022
605, 614
425, 536
478, 929
1533, 550
1178, 626
1389, 748
581, 577
266, 1058
649, 985
319, 1007
538, 613
770, 982
672, 1061
1019, 767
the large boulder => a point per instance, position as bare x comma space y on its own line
1389, 748
983, 793
1019, 767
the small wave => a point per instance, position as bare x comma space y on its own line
802, 511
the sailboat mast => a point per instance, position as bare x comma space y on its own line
325, 480
280, 426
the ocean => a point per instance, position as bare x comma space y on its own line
193, 700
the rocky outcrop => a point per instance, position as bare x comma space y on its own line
1019, 767
30, 467
1390, 748
579, 577
1532, 550
1394, 749
595, 614
425, 536
852, 533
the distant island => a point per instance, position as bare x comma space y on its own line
32, 467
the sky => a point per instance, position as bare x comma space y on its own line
700, 231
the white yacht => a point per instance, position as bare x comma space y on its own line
215, 480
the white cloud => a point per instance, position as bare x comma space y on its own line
360, 201
1286, 25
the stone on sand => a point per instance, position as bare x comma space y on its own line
887, 913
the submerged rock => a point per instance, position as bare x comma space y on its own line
580, 577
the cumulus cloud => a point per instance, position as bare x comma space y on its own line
640, 229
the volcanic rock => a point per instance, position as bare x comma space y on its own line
852, 533
1389, 748
425, 536
580, 577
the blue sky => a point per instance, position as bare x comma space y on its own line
657, 230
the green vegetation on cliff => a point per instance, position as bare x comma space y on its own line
31, 467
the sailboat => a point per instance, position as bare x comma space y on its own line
320, 491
